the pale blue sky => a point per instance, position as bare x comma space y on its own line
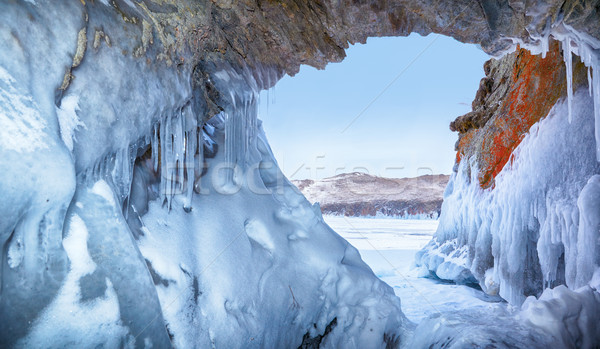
311, 119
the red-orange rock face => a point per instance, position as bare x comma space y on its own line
518, 91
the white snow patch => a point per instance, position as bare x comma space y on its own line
75, 243
257, 231
21, 126
68, 119
102, 189
69, 321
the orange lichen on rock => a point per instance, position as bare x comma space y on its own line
518, 91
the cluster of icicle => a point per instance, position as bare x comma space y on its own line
179, 141
588, 50
240, 134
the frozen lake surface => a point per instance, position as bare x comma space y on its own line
388, 246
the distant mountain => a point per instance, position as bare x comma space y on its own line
358, 194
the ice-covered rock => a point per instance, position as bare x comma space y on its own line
129, 221
531, 231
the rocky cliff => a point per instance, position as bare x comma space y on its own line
361, 195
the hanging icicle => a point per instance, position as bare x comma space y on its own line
567, 53
177, 138
240, 134
589, 77
190, 125
155, 145
591, 58
596, 96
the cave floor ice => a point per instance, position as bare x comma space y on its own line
388, 246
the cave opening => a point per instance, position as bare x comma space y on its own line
384, 110
368, 139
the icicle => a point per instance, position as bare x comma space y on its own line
199, 167
590, 57
154, 144
180, 153
191, 136
545, 45
189, 166
589, 76
125, 175
567, 53
228, 145
595, 81
166, 158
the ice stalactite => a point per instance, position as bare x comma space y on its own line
240, 134
589, 52
115, 168
568, 57
155, 147
589, 79
177, 136
591, 58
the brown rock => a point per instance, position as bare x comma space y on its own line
518, 91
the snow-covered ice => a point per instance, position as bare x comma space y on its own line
388, 246
459, 316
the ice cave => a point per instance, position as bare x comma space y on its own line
142, 205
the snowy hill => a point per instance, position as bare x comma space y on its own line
359, 194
